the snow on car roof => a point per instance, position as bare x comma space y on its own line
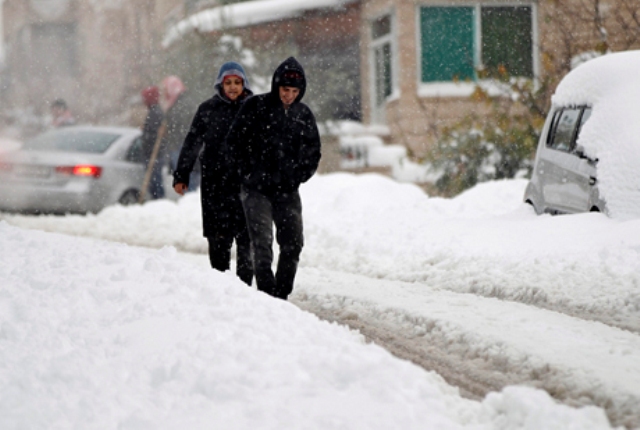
611, 85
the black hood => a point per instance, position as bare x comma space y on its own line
289, 74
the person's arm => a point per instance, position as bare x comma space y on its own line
180, 188
238, 140
310, 151
190, 151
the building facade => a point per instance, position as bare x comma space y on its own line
406, 66
422, 60
94, 54
99, 54
261, 34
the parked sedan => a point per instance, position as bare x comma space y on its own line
588, 157
73, 170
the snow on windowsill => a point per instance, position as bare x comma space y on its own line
395, 95
353, 128
459, 89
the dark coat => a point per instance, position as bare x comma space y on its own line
220, 188
275, 149
150, 130
177, 120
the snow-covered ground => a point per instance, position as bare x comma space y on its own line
101, 335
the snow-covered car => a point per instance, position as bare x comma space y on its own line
73, 170
588, 156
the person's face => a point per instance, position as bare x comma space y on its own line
232, 87
288, 95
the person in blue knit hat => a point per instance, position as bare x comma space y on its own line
222, 214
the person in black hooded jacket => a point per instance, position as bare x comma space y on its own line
275, 146
222, 214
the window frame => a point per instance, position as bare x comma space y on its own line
374, 45
573, 143
64, 35
464, 88
135, 152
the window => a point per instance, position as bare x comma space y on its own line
135, 153
447, 44
55, 48
70, 140
456, 41
563, 132
507, 40
382, 57
586, 114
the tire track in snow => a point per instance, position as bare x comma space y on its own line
484, 344
587, 292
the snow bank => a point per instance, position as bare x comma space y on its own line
101, 335
485, 241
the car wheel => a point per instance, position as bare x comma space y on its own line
535, 209
130, 197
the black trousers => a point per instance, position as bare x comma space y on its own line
284, 210
220, 252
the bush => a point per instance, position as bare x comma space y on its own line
499, 145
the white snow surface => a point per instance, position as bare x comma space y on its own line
96, 334
611, 86
244, 14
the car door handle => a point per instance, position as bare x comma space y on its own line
592, 180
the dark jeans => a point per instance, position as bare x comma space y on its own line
262, 212
220, 253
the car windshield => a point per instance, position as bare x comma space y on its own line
72, 141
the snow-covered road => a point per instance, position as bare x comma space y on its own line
485, 344
476, 287
482, 344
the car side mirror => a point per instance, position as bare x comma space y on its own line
580, 152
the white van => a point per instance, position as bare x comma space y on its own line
588, 156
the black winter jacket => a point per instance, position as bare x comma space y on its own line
275, 150
220, 187
208, 130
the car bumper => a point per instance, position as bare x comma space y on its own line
75, 197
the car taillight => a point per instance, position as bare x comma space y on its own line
80, 170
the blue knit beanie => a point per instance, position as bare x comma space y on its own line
232, 68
